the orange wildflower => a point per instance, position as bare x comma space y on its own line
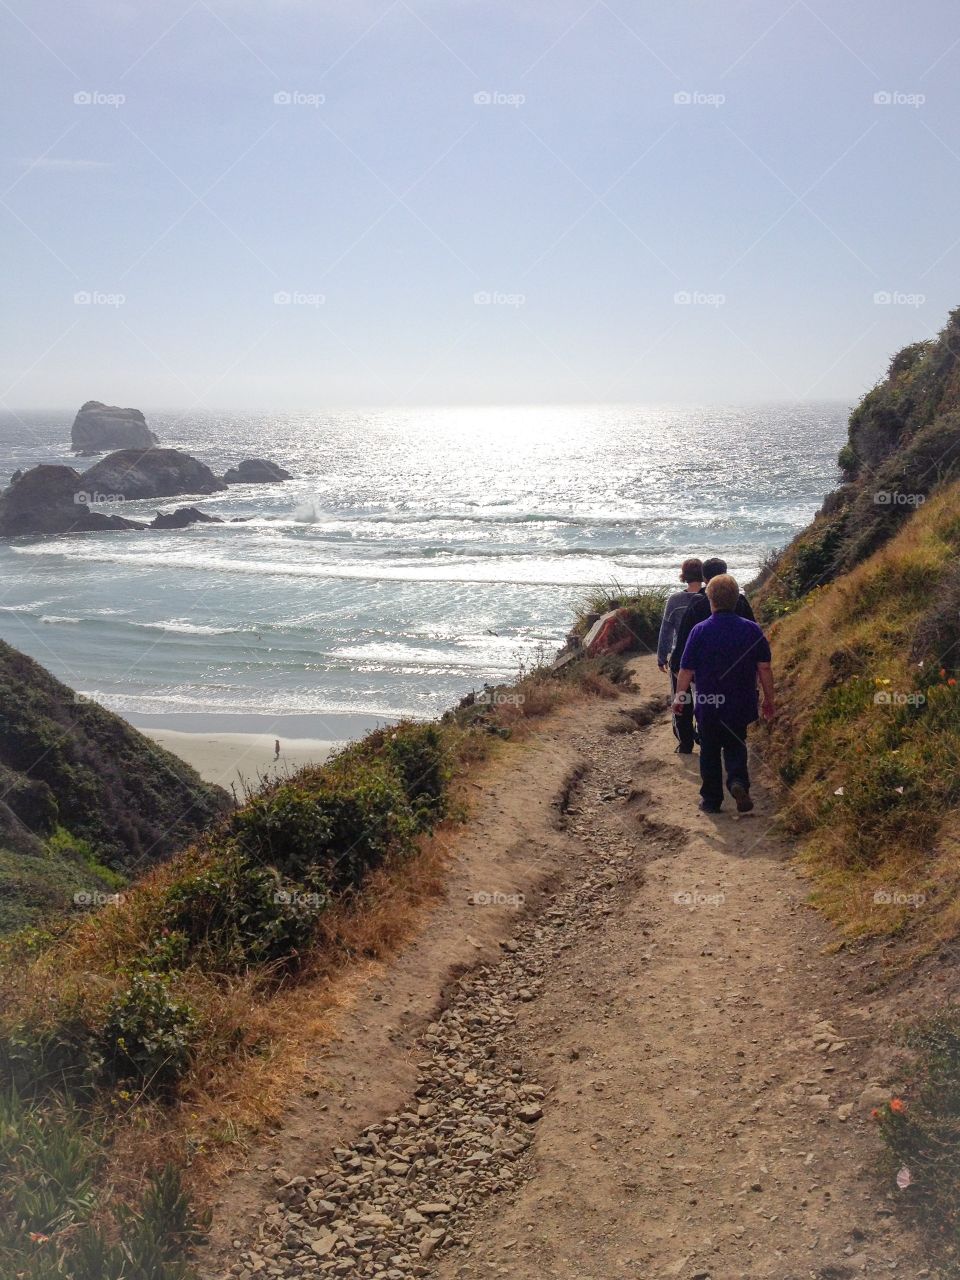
898, 1105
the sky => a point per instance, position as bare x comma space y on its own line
295, 204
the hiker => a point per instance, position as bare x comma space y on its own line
691, 574
725, 655
276, 750
698, 611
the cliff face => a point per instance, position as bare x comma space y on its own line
904, 443
82, 793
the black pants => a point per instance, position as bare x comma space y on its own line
722, 746
683, 729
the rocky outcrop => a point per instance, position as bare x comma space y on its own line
99, 427
256, 471
903, 444
154, 473
182, 517
53, 500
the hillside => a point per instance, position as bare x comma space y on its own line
85, 800
903, 444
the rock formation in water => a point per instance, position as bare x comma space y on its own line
99, 427
256, 471
52, 500
154, 473
182, 517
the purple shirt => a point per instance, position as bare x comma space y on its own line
723, 653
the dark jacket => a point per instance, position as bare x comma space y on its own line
699, 611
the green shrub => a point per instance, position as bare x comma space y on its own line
148, 1036
418, 754
235, 913
332, 830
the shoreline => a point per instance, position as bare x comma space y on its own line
242, 760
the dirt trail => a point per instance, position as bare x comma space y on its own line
658, 1072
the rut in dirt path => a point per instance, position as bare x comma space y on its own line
662, 1075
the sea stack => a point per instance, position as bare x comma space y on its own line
98, 428
256, 471
132, 474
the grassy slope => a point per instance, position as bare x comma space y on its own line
870, 743
83, 795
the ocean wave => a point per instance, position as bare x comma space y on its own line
185, 627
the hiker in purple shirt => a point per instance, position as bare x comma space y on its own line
724, 657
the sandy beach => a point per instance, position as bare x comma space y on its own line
241, 759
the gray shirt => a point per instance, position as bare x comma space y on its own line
673, 611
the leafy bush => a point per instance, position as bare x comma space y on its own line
329, 830
235, 913
148, 1034
418, 753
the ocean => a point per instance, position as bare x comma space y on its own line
416, 554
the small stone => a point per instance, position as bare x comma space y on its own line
433, 1208
323, 1244
531, 1113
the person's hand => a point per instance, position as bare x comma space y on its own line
768, 710
662, 666
678, 706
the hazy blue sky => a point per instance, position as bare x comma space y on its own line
149, 164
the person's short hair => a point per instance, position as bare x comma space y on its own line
712, 567
691, 570
723, 592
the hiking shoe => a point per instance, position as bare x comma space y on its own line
684, 751
742, 797
707, 807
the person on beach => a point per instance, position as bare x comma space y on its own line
725, 655
691, 574
276, 749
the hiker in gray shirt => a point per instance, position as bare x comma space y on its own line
691, 573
